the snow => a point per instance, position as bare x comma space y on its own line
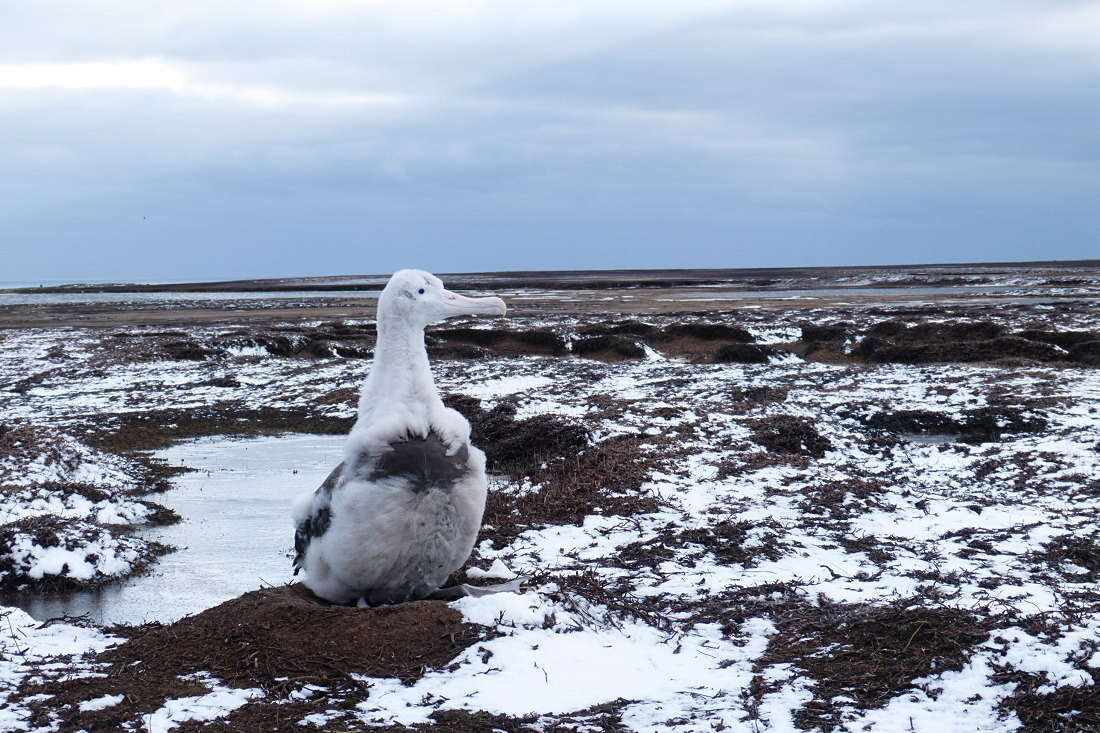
100, 703
965, 520
211, 706
963, 701
505, 386
83, 552
27, 646
560, 671
497, 570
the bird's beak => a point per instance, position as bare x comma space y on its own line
460, 305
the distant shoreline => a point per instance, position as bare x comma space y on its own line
750, 278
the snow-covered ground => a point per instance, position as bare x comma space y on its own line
859, 578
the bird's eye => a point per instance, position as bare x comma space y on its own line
421, 291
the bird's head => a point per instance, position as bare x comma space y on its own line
419, 299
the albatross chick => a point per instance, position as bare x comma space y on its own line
403, 509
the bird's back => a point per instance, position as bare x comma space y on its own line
391, 524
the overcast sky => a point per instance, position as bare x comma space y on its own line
206, 139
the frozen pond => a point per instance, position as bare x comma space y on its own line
235, 535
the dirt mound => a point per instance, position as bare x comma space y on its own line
965, 341
619, 328
696, 341
131, 431
1086, 354
37, 455
503, 341
456, 350
790, 435
276, 639
324, 341
1004, 347
930, 333
608, 348
603, 479
737, 353
743, 399
518, 447
1066, 339
50, 553
704, 332
865, 655
189, 350
982, 425
88, 502
841, 500
825, 333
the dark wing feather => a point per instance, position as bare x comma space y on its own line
422, 461
317, 523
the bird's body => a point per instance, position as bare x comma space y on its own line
403, 509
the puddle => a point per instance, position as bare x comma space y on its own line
930, 438
235, 534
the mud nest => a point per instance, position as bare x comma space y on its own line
276, 639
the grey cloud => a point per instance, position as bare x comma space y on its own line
862, 132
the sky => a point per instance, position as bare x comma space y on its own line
212, 140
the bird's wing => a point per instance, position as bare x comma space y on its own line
316, 522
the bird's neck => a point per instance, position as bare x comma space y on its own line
400, 379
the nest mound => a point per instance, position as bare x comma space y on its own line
275, 639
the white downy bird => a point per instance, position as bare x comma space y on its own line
403, 509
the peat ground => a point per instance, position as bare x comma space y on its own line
812, 517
